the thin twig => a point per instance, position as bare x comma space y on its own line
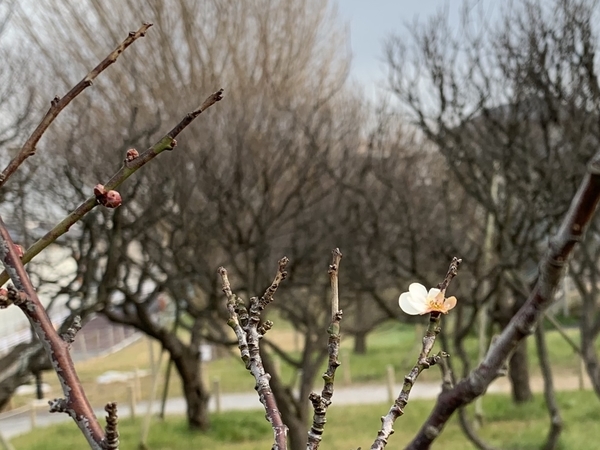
58, 104
424, 361
75, 402
321, 402
167, 142
551, 271
245, 324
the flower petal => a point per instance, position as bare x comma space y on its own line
418, 291
409, 305
449, 303
433, 293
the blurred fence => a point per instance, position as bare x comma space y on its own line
97, 338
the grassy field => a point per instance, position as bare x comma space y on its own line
392, 344
507, 426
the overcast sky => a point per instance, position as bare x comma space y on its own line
372, 21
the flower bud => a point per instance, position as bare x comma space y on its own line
112, 199
99, 191
132, 154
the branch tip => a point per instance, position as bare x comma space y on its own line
111, 431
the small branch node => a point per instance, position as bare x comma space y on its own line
172, 144
111, 431
15, 296
266, 326
69, 336
58, 405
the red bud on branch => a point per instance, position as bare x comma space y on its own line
110, 199
132, 154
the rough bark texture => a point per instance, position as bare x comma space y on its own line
293, 413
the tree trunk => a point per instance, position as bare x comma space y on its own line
518, 373
588, 329
360, 337
592, 366
556, 423
196, 396
360, 343
518, 367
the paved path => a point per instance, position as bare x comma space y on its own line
18, 422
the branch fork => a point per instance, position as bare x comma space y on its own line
245, 323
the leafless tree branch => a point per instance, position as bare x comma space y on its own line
423, 362
58, 104
321, 402
245, 322
130, 166
75, 402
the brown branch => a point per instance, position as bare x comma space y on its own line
58, 104
129, 167
321, 402
75, 402
551, 271
423, 362
246, 325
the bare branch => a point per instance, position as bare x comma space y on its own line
333, 275
321, 402
423, 362
551, 271
58, 104
75, 402
245, 324
167, 142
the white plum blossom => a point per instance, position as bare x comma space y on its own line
418, 301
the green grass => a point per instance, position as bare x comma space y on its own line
507, 426
392, 344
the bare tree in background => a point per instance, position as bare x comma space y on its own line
244, 187
514, 106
